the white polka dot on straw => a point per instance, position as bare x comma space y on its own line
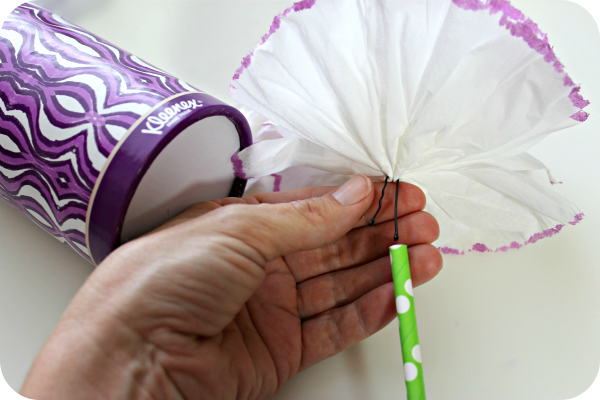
408, 287
410, 371
416, 353
402, 304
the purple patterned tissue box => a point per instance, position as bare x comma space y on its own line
97, 146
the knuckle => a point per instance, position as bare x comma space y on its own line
339, 292
198, 209
303, 302
360, 317
312, 211
195, 208
237, 220
334, 335
232, 213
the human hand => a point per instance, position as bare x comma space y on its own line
233, 297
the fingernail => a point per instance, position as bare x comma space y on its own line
353, 191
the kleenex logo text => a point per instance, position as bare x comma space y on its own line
168, 116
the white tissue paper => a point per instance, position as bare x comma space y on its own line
444, 94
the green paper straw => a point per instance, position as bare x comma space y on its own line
409, 338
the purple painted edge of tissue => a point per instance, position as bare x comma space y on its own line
482, 248
523, 27
238, 166
299, 6
277, 182
512, 18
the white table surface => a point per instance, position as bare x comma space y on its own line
518, 325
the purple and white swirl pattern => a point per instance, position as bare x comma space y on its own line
66, 99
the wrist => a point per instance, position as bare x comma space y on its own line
83, 360
93, 353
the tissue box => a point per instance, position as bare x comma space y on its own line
97, 146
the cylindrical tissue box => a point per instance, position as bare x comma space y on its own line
98, 147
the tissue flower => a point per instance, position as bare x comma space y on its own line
445, 94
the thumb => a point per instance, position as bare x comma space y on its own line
279, 229
211, 254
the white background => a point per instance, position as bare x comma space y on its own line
520, 325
